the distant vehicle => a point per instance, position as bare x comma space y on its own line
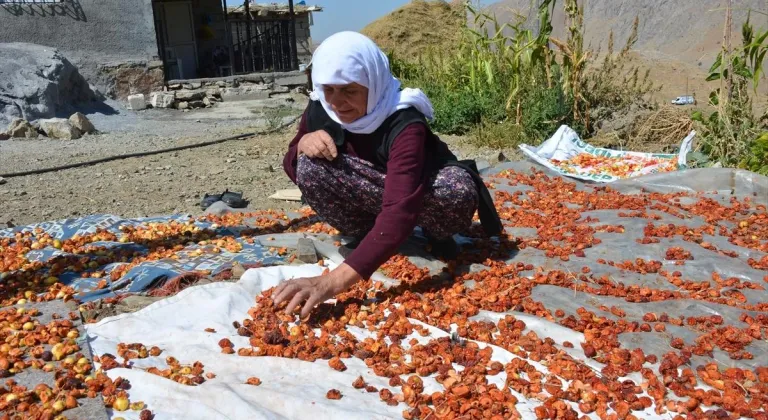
684, 100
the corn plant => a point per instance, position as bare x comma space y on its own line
732, 133
574, 58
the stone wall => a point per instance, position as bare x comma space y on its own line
91, 33
204, 93
303, 38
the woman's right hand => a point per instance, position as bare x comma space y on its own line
318, 144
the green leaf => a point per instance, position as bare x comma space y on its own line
714, 97
697, 116
718, 62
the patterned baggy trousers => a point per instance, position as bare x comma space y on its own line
347, 193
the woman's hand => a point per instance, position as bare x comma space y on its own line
315, 290
318, 144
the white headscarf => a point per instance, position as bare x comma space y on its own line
347, 57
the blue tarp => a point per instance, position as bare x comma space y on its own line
148, 274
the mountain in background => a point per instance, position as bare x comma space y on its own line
688, 31
677, 39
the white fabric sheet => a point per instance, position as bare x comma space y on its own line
290, 388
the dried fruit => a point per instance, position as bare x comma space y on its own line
121, 404
336, 364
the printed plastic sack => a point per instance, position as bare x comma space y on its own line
568, 155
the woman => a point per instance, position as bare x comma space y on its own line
367, 163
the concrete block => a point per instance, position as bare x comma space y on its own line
137, 102
291, 79
162, 99
230, 95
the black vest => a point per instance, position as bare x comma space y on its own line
438, 154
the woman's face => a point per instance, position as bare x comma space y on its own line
349, 102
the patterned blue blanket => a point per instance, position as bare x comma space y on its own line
145, 275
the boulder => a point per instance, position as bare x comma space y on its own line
38, 82
182, 105
4, 135
162, 99
60, 128
82, 123
21, 129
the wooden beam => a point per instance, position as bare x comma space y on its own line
230, 48
292, 35
249, 38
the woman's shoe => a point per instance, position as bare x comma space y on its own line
446, 249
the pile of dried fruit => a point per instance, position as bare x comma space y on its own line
567, 388
622, 167
31, 345
401, 348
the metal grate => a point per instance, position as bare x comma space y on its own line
269, 47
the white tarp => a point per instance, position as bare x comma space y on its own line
566, 144
290, 388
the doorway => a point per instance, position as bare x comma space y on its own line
176, 35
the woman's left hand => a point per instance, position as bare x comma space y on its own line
315, 290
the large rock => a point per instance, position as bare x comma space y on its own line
82, 123
21, 129
60, 128
38, 82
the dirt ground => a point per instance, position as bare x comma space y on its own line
162, 184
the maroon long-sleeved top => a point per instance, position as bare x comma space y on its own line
404, 190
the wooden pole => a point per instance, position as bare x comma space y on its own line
230, 47
728, 25
292, 35
248, 37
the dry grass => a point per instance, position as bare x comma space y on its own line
418, 26
667, 126
656, 131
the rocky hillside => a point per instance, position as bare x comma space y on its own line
677, 39
687, 31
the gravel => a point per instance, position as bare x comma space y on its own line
162, 184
